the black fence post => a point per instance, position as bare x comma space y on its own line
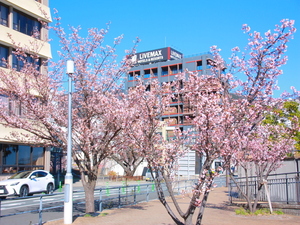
100, 200
119, 197
255, 193
147, 194
41, 210
230, 191
287, 189
134, 195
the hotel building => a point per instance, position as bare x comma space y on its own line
164, 64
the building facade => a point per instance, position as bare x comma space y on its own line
20, 22
164, 64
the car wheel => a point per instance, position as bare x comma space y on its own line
3, 197
24, 191
50, 188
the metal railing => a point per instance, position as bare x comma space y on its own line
116, 197
105, 197
283, 188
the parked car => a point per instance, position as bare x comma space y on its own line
27, 183
156, 175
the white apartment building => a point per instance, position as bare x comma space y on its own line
19, 19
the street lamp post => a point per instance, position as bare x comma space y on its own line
68, 203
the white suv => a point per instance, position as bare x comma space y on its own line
27, 183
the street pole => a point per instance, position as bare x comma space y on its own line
68, 203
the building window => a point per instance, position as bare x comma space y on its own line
14, 107
174, 69
9, 155
180, 68
133, 75
171, 69
148, 88
150, 73
199, 65
4, 102
19, 62
26, 24
24, 155
21, 157
4, 15
209, 64
164, 71
147, 73
154, 72
3, 56
38, 156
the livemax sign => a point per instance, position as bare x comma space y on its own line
156, 55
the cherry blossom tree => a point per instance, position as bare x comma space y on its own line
96, 113
262, 153
227, 117
128, 158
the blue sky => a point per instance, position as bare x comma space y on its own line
189, 26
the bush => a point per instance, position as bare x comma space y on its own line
242, 211
112, 175
262, 211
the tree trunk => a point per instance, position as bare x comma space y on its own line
89, 188
205, 174
202, 207
188, 220
128, 171
161, 197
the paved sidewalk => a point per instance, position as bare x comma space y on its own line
218, 212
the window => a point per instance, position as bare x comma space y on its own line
14, 158
199, 65
3, 56
19, 62
147, 73
4, 102
24, 155
26, 24
134, 75
148, 88
171, 69
38, 156
180, 68
177, 98
209, 64
14, 107
150, 73
39, 174
154, 72
174, 69
4, 15
9, 155
164, 71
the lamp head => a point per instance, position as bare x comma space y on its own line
70, 67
